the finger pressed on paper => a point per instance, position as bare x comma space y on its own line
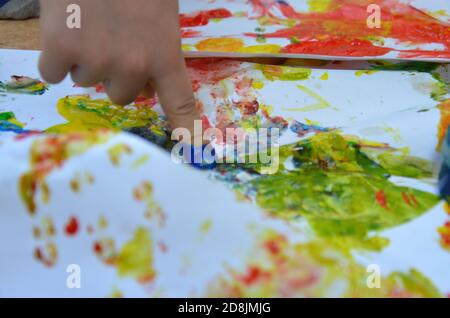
174, 91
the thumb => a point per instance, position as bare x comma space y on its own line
174, 91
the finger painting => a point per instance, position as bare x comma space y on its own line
326, 29
88, 182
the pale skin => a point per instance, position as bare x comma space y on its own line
132, 47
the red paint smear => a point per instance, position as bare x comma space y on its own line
201, 18
72, 226
413, 199
26, 135
380, 196
249, 108
337, 47
273, 247
98, 249
406, 199
205, 123
346, 21
143, 101
190, 33
210, 71
253, 275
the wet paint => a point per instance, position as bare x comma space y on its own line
86, 114
135, 259
279, 268
339, 189
72, 226
339, 28
153, 211
9, 123
220, 45
201, 18
444, 232
49, 153
264, 49
23, 85
355, 48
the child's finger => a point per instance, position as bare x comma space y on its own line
54, 67
124, 90
148, 91
174, 91
85, 76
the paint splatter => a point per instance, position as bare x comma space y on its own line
72, 227
144, 193
279, 268
116, 152
23, 85
50, 153
339, 28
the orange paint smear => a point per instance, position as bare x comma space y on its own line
380, 197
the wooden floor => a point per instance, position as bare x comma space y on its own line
20, 34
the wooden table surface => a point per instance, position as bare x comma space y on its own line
20, 34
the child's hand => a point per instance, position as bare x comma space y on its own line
130, 46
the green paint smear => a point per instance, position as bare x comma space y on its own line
440, 91
7, 116
404, 66
403, 165
340, 189
417, 283
24, 85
